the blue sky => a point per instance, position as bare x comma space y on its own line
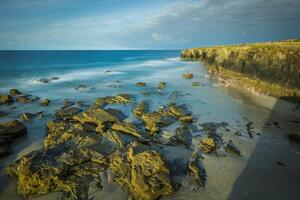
149, 24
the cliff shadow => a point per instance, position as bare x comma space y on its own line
272, 170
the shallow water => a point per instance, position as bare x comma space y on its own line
113, 72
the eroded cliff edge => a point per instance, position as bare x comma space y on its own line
272, 67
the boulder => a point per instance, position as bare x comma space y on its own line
6, 99
141, 109
96, 116
44, 80
162, 85
14, 92
127, 128
208, 145
67, 113
26, 98
142, 173
187, 75
27, 116
140, 84
44, 102
178, 111
12, 129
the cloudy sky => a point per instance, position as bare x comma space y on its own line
149, 24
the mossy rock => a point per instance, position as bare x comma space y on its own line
6, 99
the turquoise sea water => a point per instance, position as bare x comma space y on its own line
113, 72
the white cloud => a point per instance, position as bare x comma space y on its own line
159, 36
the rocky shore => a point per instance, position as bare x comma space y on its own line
272, 68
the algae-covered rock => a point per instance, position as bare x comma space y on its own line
196, 171
178, 111
153, 121
143, 174
186, 119
67, 113
140, 84
187, 75
96, 116
6, 99
27, 116
26, 98
12, 129
69, 171
44, 102
162, 85
127, 128
14, 92
208, 145
141, 109
118, 99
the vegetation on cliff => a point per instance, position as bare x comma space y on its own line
274, 63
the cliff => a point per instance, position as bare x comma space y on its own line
276, 64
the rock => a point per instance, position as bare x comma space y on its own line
6, 99
11, 130
67, 113
186, 119
26, 98
143, 174
44, 102
141, 109
14, 92
155, 120
114, 137
197, 171
44, 80
27, 116
127, 128
68, 103
140, 84
178, 111
232, 149
162, 85
196, 84
208, 145
187, 75
118, 99
80, 87
294, 137
97, 116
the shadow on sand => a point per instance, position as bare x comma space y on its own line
273, 168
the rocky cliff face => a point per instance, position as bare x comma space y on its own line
273, 62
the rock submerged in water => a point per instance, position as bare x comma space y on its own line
6, 99
48, 80
9, 131
44, 102
14, 92
140, 84
196, 84
187, 76
162, 85
26, 98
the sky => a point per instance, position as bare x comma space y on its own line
144, 24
